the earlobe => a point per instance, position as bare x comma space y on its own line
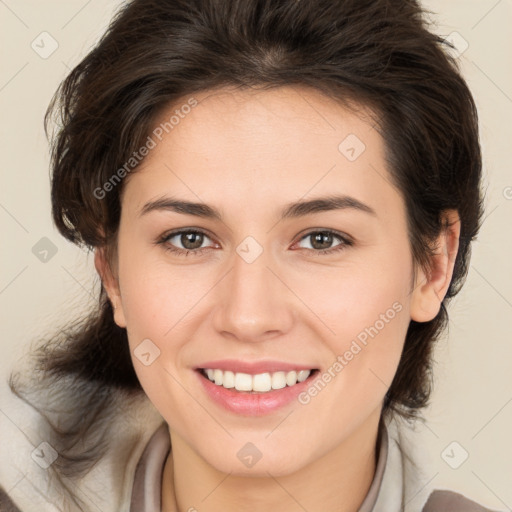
431, 287
111, 285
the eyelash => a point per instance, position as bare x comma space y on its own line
164, 240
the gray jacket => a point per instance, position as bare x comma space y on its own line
138, 443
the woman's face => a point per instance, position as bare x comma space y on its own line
255, 294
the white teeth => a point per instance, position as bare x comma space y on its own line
217, 377
243, 382
303, 375
228, 380
262, 382
291, 378
278, 380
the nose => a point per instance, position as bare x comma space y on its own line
253, 302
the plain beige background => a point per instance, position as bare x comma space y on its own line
472, 402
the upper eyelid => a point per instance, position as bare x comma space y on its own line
344, 237
181, 231
310, 231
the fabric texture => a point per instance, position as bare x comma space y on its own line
127, 477
398, 485
147, 485
449, 501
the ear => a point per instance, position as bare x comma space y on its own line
430, 289
111, 284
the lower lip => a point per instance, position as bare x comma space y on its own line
253, 404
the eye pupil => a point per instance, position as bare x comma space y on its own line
322, 238
196, 239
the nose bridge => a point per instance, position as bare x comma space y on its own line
252, 302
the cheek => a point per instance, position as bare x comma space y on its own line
365, 309
154, 295
155, 302
360, 297
161, 303
365, 353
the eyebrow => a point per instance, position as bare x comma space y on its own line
293, 210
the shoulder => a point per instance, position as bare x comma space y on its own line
408, 477
450, 501
106, 483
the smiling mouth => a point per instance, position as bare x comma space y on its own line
258, 383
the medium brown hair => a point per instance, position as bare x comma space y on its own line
376, 53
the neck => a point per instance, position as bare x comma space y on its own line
339, 480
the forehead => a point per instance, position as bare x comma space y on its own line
264, 146
248, 119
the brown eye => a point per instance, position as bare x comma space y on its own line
321, 242
185, 241
191, 240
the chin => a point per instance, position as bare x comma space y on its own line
248, 460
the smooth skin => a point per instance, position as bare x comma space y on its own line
249, 153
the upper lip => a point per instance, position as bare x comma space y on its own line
253, 367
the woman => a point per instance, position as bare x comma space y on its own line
281, 198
